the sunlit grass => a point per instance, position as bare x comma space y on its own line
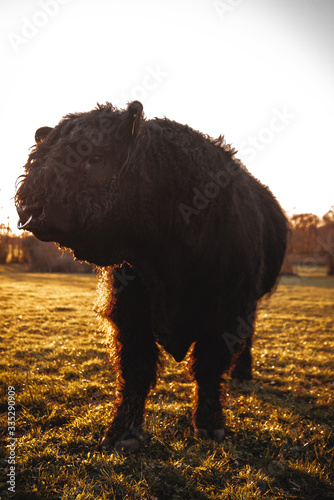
280, 440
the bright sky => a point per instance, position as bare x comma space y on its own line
260, 72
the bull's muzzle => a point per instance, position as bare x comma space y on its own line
27, 215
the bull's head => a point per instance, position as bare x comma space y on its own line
73, 182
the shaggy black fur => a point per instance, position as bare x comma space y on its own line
187, 239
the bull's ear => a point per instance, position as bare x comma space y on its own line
133, 117
41, 134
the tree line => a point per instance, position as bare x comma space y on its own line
36, 255
311, 241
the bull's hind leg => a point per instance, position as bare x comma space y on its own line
210, 361
242, 367
241, 344
137, 357
212, 357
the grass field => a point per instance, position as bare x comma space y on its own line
280, 442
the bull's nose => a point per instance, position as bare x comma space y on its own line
21, 225
27, 214
24, 217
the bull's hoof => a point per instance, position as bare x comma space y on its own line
105, 443
127, 443
202, 433
217, 434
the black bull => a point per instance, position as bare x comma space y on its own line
187, 241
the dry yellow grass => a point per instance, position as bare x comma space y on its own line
280, 442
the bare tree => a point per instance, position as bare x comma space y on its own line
5, 233
325, 238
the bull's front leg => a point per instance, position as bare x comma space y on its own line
137, 357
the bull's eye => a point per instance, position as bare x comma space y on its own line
96, 159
